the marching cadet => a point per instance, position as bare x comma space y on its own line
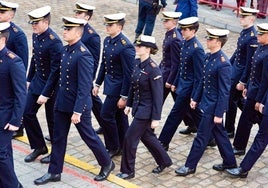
73, 104
12, 102
145, 100
41, 79
241, 62
93, 42
115, 70
254, 92
17, 41
261, 138
191, 66
210, 97
171, 59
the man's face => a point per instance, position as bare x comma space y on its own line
40, 26
112, 29
6, 16
246, 21
187, 33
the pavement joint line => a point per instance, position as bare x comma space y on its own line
87, 167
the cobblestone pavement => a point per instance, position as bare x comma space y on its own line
72, 176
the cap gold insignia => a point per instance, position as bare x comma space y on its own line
222, 59
51, 37
82, 49
11, 55
157, 77
90, 31
15, 29
123, 42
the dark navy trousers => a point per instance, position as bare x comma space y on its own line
31, 123
246, 121
141, 130
87, 133
8, 177
206, 129
146, 18
257, 147
115, 123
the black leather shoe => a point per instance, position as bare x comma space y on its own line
184, 171
222, 167
105, 172
212, 143
165, 146
113, 153
99, 130
239, 151
230, 134
45, 160
126, 176
188, 130
237, 172
48, 177
32, 156
20, 185
160, 168
47, 138
17, 133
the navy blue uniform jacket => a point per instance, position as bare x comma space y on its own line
213, 90
76, 74
146, 90
12, 88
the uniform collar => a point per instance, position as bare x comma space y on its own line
43, 35
113, 40
145, 63
72, 47
248, 29
170, 31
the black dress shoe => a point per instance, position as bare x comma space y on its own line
45, 160
184, 171
160, 168
20, 185
165, 146
237, 172
99, 130
48, 177
47, 138
222, 167
113, 153
105, 172
17, 133
230, 134
212, 143
126, 176
188, 130
32, 156
239, 151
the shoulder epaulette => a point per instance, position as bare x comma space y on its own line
153, 64
223, 60
123, 41
11, 55
252, 34
15, 29
90, 31
82, 49
195, 45
174, 34
51, 37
